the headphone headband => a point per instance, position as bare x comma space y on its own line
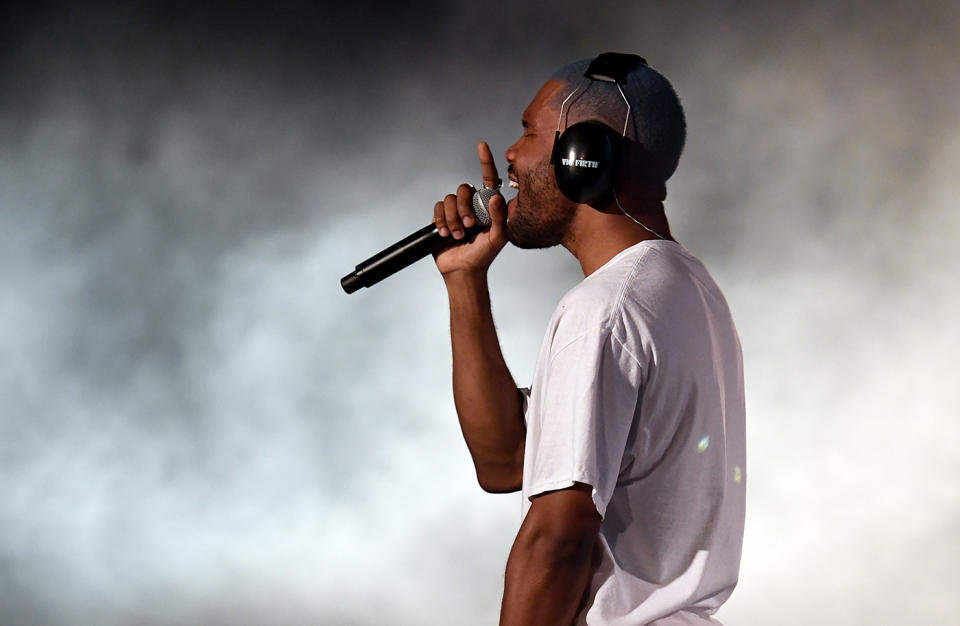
585, 157
613, 67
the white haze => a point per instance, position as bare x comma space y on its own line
198, 426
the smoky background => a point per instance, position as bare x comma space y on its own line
198, 426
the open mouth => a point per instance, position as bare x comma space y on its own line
514, 185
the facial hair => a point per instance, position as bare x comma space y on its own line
542, 215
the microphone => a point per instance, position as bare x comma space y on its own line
410, 249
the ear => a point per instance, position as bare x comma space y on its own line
619, 176
584, 166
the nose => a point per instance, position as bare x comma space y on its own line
511, 153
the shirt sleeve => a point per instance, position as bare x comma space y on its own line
588, 401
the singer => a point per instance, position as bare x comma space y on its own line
629, 444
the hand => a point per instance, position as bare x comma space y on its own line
454, 214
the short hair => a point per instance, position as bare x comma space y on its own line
657, 120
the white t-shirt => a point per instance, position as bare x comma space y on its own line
638, 392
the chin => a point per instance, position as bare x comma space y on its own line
539, 216
530, 235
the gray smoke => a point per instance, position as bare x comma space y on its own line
198, 426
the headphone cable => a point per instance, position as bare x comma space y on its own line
617, 200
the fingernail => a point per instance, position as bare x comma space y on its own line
468, 221
443, 231
457, 234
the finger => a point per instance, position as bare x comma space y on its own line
465, 204
487, 166
440, 220
452, 216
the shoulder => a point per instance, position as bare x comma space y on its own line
670, 281
673, 305
594, 307
644, 287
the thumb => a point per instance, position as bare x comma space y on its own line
498, 217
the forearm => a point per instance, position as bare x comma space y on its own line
488, 404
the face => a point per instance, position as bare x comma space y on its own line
540, 216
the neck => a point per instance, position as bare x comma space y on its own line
595, 237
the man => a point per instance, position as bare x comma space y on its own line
629, 445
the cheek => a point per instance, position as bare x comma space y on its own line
540, 181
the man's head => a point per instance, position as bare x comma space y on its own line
656, 119
541, 215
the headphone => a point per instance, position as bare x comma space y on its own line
586, 156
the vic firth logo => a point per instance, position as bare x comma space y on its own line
581, 163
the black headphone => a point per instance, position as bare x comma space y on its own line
586, 156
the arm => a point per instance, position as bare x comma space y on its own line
552, 559
488, 403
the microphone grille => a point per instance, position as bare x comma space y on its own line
481, 204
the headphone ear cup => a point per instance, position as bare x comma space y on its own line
585, 161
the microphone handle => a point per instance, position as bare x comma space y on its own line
398, 256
